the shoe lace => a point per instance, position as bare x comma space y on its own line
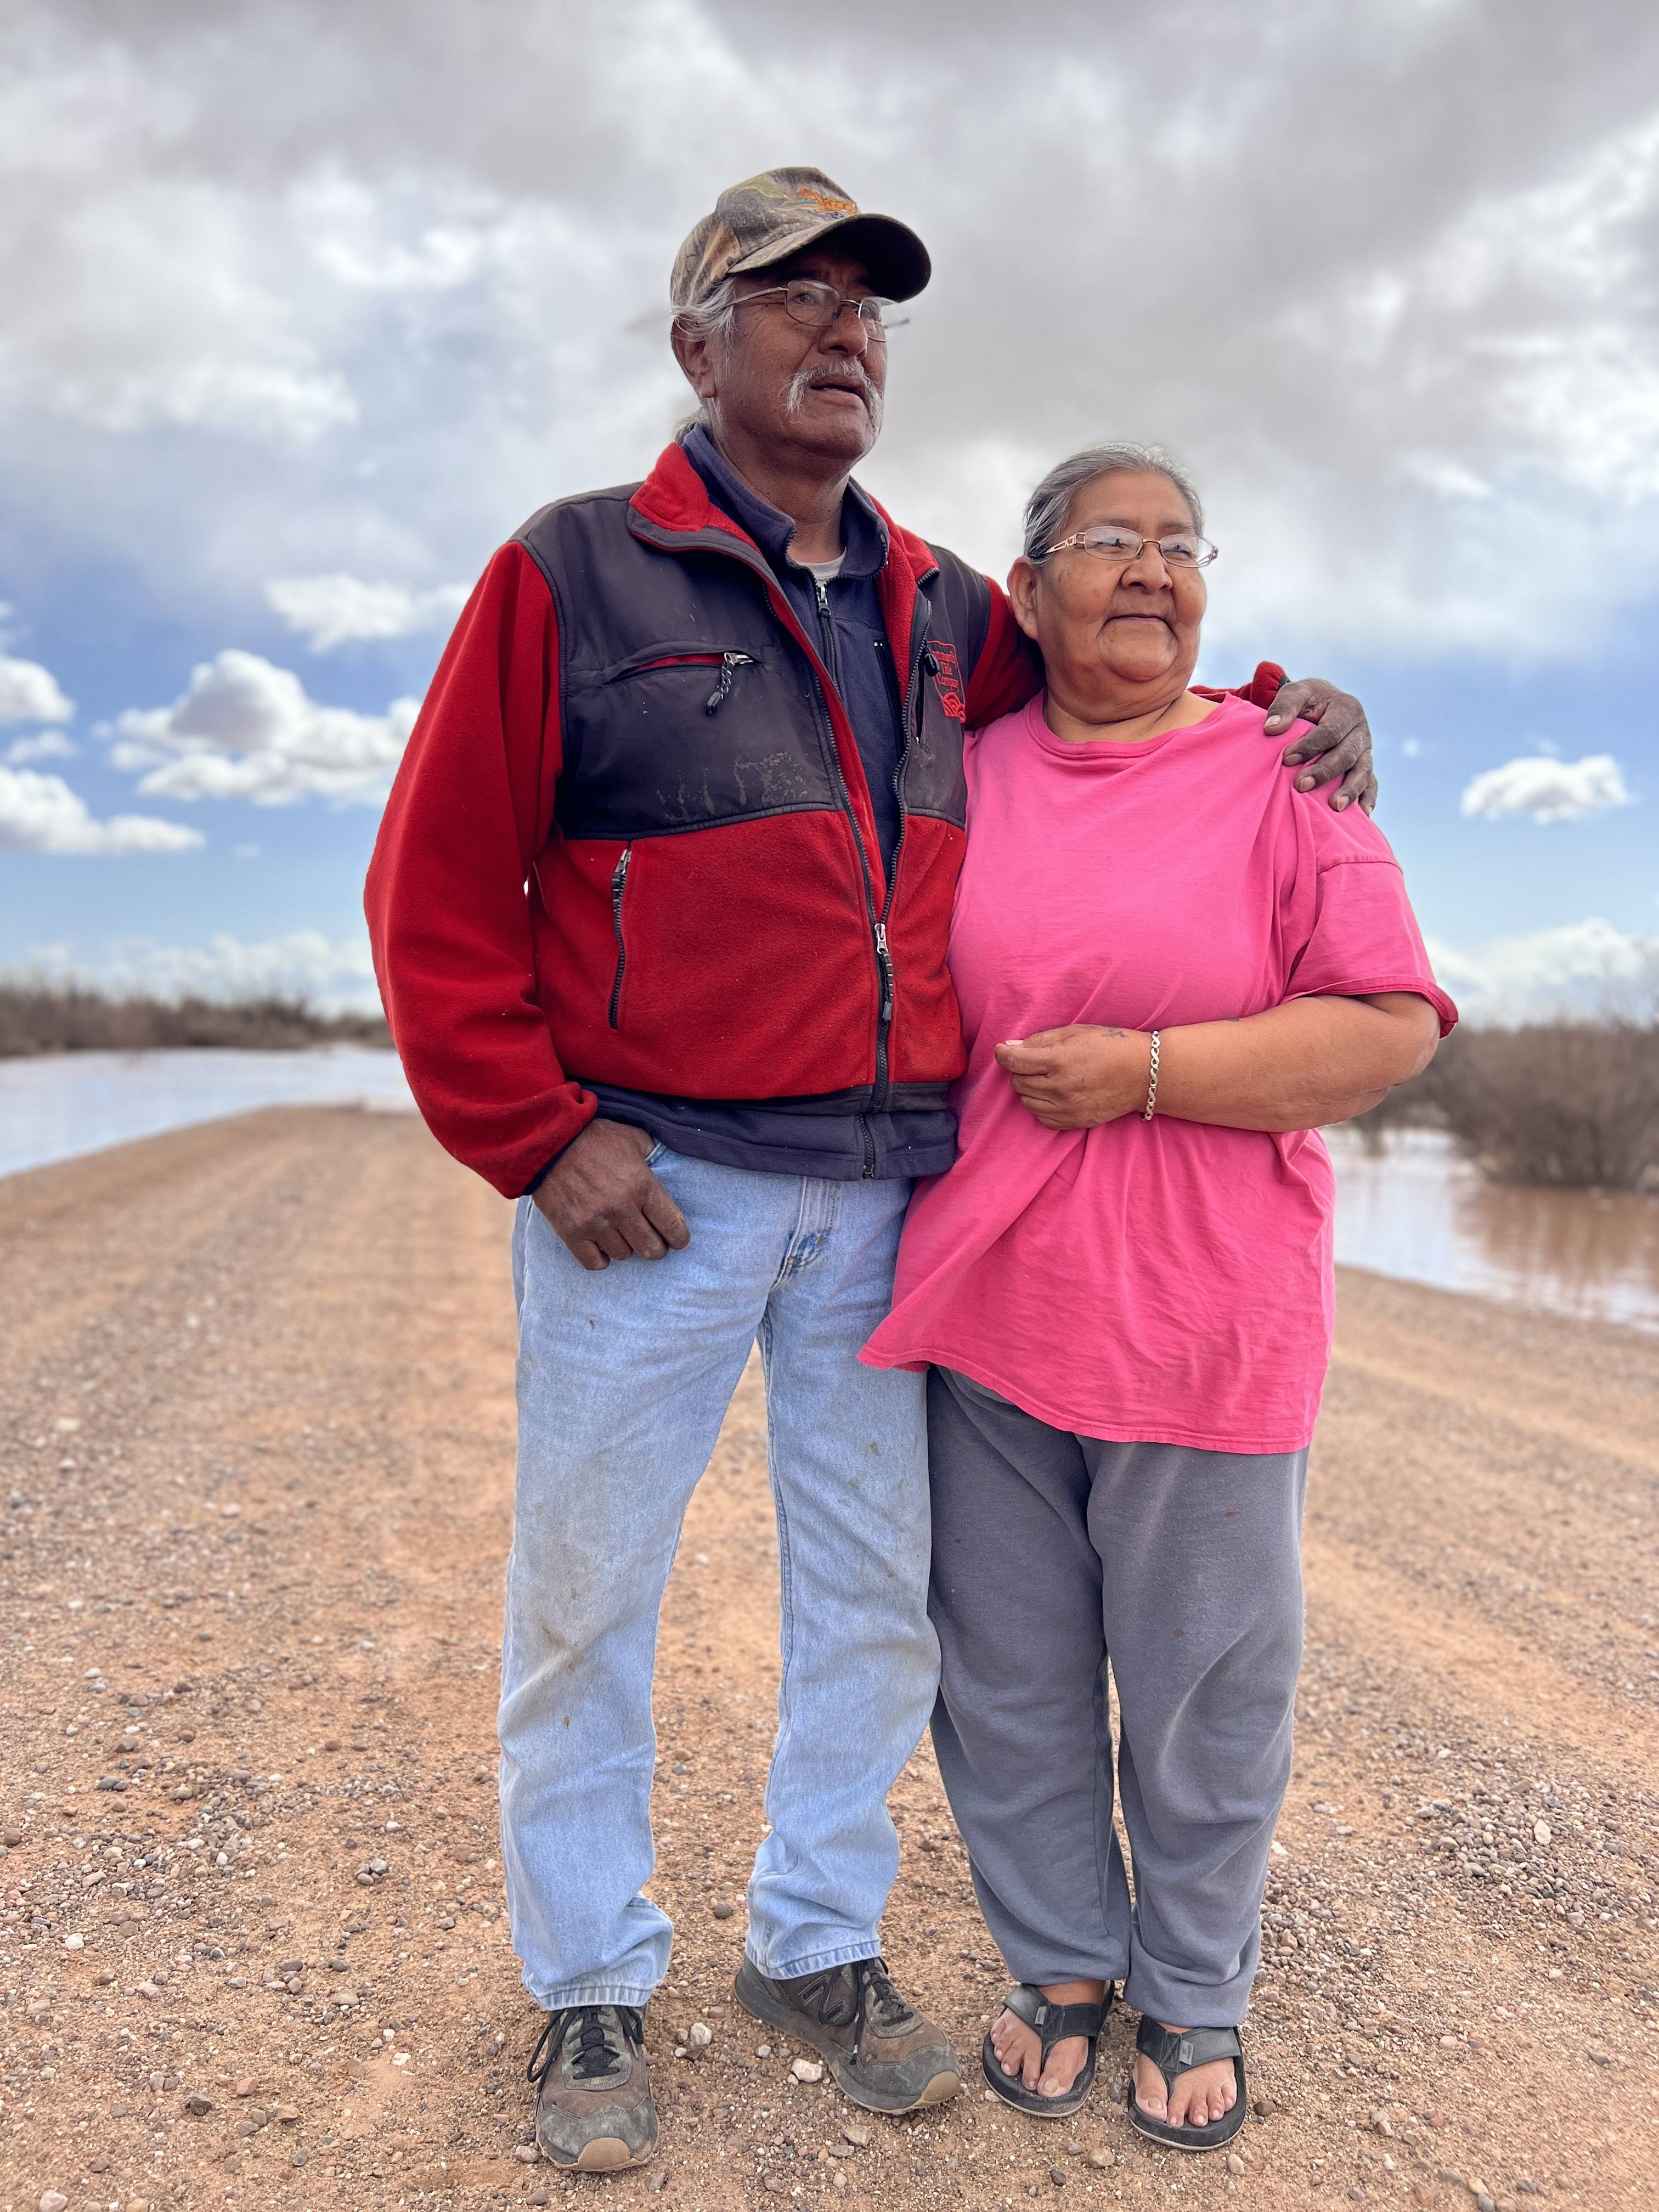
841, 1995
599, 2051
888, 2009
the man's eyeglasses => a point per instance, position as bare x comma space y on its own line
1109, 541
815, 306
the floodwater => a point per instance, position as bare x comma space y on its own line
1416, 1210
62, 1104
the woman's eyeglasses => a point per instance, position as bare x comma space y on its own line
816, 307
1109, 541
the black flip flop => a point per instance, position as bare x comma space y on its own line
1054, 2023
1174, 2054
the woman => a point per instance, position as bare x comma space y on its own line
1173, 967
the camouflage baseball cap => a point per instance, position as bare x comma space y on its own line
767, 218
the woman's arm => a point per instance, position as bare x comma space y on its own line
1301, 1066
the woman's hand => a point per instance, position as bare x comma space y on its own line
1077, 1077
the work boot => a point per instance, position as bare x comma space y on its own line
593, 2108
885, 2054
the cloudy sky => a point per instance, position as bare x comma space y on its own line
307, 306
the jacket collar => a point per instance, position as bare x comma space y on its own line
864, 534
674, 500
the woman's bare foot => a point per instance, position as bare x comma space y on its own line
1200, 2095
1019, 2048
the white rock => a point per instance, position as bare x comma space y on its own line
700, 2037
54, 2200
806, 2070
1541, 1833
75, 1942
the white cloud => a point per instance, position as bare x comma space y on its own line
47, 744
245, 729
29, 693
336, 610
373, 318
1585, 966
304, 963
1549, 790
40, 814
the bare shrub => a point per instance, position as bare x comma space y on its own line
38, 1017
1573, 1102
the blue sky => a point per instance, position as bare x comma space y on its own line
303, 320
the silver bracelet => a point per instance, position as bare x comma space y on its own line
1151, 1106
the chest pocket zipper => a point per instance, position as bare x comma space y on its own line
619, 885
729, 661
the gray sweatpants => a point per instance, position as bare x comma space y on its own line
1052, 1552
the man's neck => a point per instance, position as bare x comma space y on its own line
811, 501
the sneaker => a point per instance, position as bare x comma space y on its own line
593, 2108
885, 2054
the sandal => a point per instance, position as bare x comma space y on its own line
1054, 2023
1174, 2054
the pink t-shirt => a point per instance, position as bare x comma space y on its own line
1167, 1282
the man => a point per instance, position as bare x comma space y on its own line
659, 907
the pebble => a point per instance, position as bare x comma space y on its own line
1263, 2107
804, 2069
1101, 2158
53, 2200
1057, 2175
527, 2152
246, 2086
1540, 1831
1235, 2163
724, 1910
762, 2050
197, 2105
855, 2133
75, 1942
701, 2036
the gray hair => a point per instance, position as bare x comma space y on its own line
1050, 505
716, 315
714, 318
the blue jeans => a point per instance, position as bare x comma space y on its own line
623, 1379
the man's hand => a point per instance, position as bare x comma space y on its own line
1077, 1077
604, 1203
1338, 744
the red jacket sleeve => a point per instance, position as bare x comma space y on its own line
446, 900
1009, 669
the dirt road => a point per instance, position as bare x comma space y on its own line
257, 1438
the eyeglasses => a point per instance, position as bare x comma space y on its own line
816, 307
1110, 541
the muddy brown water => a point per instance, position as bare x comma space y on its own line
1416, 1211
1419, 1211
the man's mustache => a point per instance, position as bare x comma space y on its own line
853, 377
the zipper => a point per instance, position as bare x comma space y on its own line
716, 698
725, 662
619, 885
878, 921
752, 559
869, 1144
